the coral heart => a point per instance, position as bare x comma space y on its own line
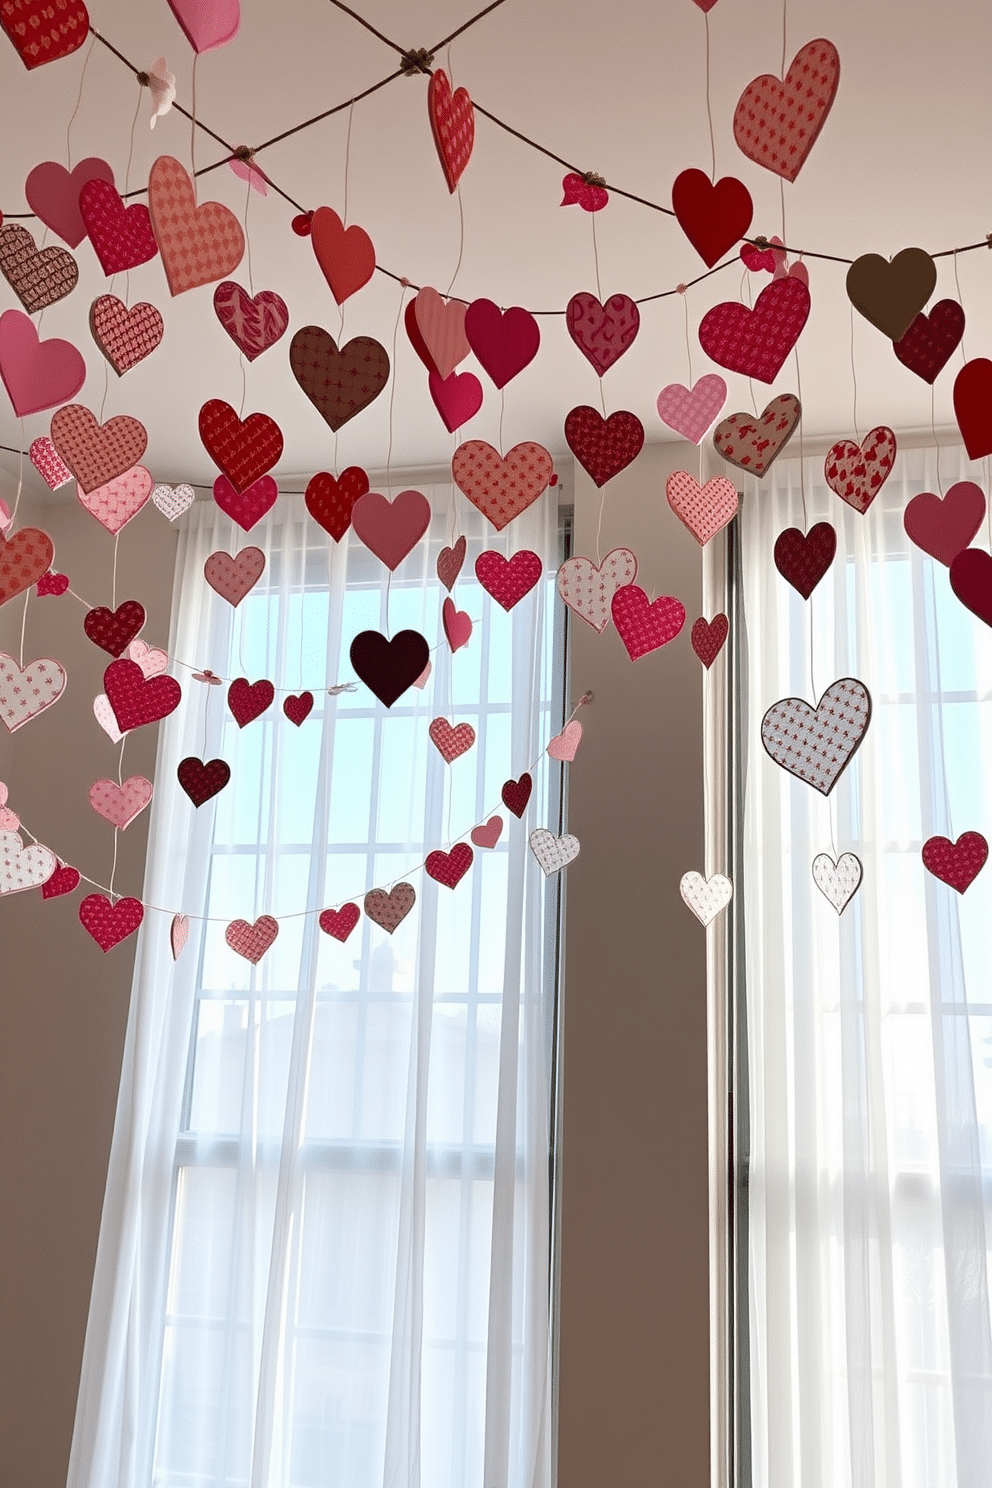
707, 638
838, 881
603, 446
508, 579
114, 630
956, 863
198, 244
43, 32
441, 324
971, 580
330, 500
52, 193
391, 529
803, 560
120, 499
172, 501
122, 236
776, 121
516, 793
151, 659
297, 706
602, 332
706, 896
564, 745
125, 336
339, 383
451, 742
108, 923
244, 449
857, 473
390, 910
501, 487
97, 453
553, 853
23, 560
691, 411
589, 590
930, 340
47, 461
589, 196
753, 443
63, 881
38, 276
890, 294
944, 526
27, 691
52, 583
339, 922
252, 941
389, 667
23, 867
450, 561
756, 342
346, 255
457, 398
120, 804
249, 506
202, 780
703, 510
489, 834
248, 700
973, 406
253, 322
207, 26
452, 125
135, 699
642, 624
457, 625
449, 868
505, 341
817, 745
233, 578
37, 374
713, 216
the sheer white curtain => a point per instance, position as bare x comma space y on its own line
324, 1254
870, 1035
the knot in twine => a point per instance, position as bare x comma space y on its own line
760, 242
143, 79
406, 283
681, 288
593, 178
243, 152
417, 59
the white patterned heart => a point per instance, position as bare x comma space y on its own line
706, 896
27, 691
837, 881
104, 715
23, 867
172, 501
589, 590
553, 853
817, 745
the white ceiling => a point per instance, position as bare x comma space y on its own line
902, 160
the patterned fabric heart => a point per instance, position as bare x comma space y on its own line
857, 473
803, 559
450, 561
707, 637
23, 559
120, 804
451, 742
508, 580
602, 332
339, 922
202, 780
122, 236
753, 443
23, 867
38, 277
249, 506
838, 881
119, 500
603, 447
756, 342
198, 244
249, 700
151, 659
137, 699
172, 501
564, 746
956, 863
931, 340
589, 591
449, 868
452, 125
553, 853
818, 745
713, 216
516, 793
252, 941
253, 322
125, 336
703, 510
390, 910
234, 577
341, 383
777, 120
97, 453
108, 923
178, 935
114, 630
706, 897
389, 667
43, 32
943, 527
27, 691
330, 500
642, 624
65, 880
49, 463
690, 412
501, 487
244, 449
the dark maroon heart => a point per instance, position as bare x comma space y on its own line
247, 700
971, 580
804, 560
201, 781
713, 217
708, 636
387, 667
297, 706
330, 500
516, 794
931, 339
113, 630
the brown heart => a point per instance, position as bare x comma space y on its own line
38, 276
23, 560
390, 910
891, 294
389, 667
752, 443
449, 563
339, 383
97, 453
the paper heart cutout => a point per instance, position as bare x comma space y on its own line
38, 276
339, 383
973, 406
207, 25
450, 561
457, 398
457, 625
818, 745
244, 449
838, 881
330, 500
178, 935
151, 659
198, 244
642, 624
857, 473
120, 804
253, 322
202, 779
122, 236
452, 125
137, 699
23, 867
587, 194
971, 581
441, 324
703, 510
52, 583
602, 332
252, 941
114, 630
125, 336
339, 922
777, 121
27, 691
249, 700
706, 897
249, 506
43, 32
757, 259
713, 216
801, 559
234, 577
389, 667
451, 742
104, 715
23, 559
390, 910
508, 579
603, 447
564, 745
489, 834
415, 337
48, 462
391, 529
943, 527
707, 638
956, 863
752, 444
516, 793
120, 499
297, 707
97, 453
52, 193
65, 880
346, 255
891, 293
108, 923
690, 412
756, 342
172, 501
930, 341
37, 374
589, 591
504, 341
449, 868
553, 853
501, 487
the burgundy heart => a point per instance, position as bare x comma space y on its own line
114, 630
201, 780
244, 449
297, 706
248, 700
931, 340
708, 636
713, 216
973, 406
122, 236
956, 863
449, 868
253, 322
339, 922
603, 447
457, 398
504, 341
803, 560
330, 499
108, 923
602, 332
63, 881
944, 527
389, 667
971, 580
136, 699
516, 794
449, 563
249, 506
508, 580
757, 342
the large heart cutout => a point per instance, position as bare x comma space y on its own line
125, 336
508, 579
339, 383
501, 487
346, 255
691, 411
244, 449
23, 560
603, 446
753, 443
108, 923
642, 624
602, 332
452, 125
52, 193
42, 31
389, 667
253, 322
122, 236
704, 510
817, 745
973, 406
391, 529
38, 276
505, 341
137, 699
931, 339
944, 526
198, 244
803, 559
713, 217
27, 691
777, 120
856, 473
233, 578
756, 342
588, 590
37, 374
890, 294
96, 453
330, 499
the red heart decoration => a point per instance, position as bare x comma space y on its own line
777, 120
42, 31
202, 780
505, 341
956, 863
63, 881
249, 506
114, 630
52, 583
108, 923
590, 197
603, 447
338, 382
803, 560
346, 255
389, 667
973, 406
330, 499
708, 636
452, 125
449, 868
97, 453
248, 700
122, 236
457, 625
516, 794
857, 474
508, 580
297, 706
37, 374
757, 342
253, 322
501, 488
457, 398
642, 624
451, 742
339, 922
971, 580
135, 699
602, 332
713, 217
252, 941
52, 193
489, 833
244, 449
125, 336
23, 560
757, 258
944, 527
931, 340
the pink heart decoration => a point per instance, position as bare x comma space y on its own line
756, 342
501, 487
756, 259
9, 820
704, 510
391, 529
449, 868
249, 700
708, 636
24, 867
27, 691
138, 700
603, 447
690, 412
777, 121
37, 374
857, 474
108, 923
52, 193
642, 624
589, 196
97, 453
249, 506
6, 518
943, 527
49, 463
451, 742
245, 171
198, 244
971, 581
753, 443
65, 880
956, 863
251, 941
120, 499
125, 336
346, 255
452, 125
564, 745
589, 591
207, 24
508, 580
457, 398
253, 322
442, 327
104, 715
602, 332
457, 625
122, 236
339, 922
120, 804
172, 501
151, 659
233, 578
178, 935
52, 583
504, 341
449, 562
489, 834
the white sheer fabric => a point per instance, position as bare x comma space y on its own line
325, 1245
870, 1035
